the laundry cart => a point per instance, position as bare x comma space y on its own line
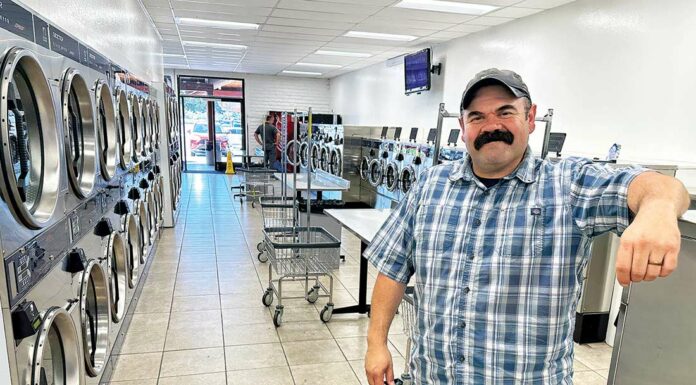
298, 254
407, 309
276, 212
256, 182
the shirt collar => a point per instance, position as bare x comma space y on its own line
525, 171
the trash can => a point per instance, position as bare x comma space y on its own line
209, 153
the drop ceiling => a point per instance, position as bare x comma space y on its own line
292, 31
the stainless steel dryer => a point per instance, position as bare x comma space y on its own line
124, 119
32, 178
136, 127
107, 130
80, 138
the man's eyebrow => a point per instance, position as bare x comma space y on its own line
477, 113
506, 107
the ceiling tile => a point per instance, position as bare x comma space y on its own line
295, 36
301, 30
420, 24
322, 6
163, 19
186, 8
403, 29
467, 28
515, 12
414, 14
310, 23
489, 21
159, 11
543, 4
323, 16
222, 3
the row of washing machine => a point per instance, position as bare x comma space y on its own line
82, 202
392, 167
173, 130
326, 151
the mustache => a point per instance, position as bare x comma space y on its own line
493, 136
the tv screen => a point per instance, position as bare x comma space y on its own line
417, 71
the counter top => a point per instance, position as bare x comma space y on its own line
364, 223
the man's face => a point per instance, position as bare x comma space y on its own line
495, 128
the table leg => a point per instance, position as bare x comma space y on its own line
362, 307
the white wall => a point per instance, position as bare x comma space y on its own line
119, 30
614, 71
265, 93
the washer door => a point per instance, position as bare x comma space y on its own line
374, 174
407, 179
56, 357
315, 156
79, 133
292, 150
391, 176
117, 266
30, 165
336, 162
94, 317
107, 132
304, 154
152, 214
133, 246
136, 127
364, 168
324, 155
123, 117
144, 219
157, 125
147, 126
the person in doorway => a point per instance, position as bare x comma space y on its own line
497, 242
271, 136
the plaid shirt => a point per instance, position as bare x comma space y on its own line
498, 271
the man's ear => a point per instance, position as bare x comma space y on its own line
531, 118
462, 126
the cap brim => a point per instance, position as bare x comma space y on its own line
491, 80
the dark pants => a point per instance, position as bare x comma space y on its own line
269, 156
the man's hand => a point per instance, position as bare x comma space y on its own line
378, 365
649, 247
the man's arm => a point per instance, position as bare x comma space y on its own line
386, 296
649, 247
256, 136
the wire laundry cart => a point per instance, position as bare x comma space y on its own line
257, 182
298, 254
276, 212
407, 309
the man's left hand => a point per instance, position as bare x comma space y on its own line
649, 247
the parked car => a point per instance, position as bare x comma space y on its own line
199, 136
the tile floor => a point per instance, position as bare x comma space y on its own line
200, 319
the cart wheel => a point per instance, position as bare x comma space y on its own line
278, 317
259, 246
252, 205
313, 294
326, 313
267, 298
262, 257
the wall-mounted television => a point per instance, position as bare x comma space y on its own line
417, 71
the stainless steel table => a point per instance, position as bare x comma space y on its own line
364, 223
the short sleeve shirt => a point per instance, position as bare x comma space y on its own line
497, 271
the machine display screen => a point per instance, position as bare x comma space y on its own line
417, 71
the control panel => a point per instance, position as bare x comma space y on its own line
29, 264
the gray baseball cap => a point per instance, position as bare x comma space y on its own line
491, 76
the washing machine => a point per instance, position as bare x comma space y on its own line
107, 131
124, 120
136, 127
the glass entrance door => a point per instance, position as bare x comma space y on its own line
196, 133
228, 117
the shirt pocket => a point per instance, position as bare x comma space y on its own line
522, 230
436, 230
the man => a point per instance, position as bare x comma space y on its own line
271, 136
496, 244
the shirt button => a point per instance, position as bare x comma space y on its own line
467, 290
472, 257
477, 222
462, 359
462, 325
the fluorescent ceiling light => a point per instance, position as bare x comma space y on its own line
318, 65
301, 73
380, 36
215, 23
192, 43
342, 53
447, 6
171, 55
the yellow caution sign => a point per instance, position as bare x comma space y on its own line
230, 165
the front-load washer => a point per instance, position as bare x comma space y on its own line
79, 137
107, 130
123, 119
118, 273
136, 127
131, 236
31, 174
336, 161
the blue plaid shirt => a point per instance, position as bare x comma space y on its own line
498, 271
